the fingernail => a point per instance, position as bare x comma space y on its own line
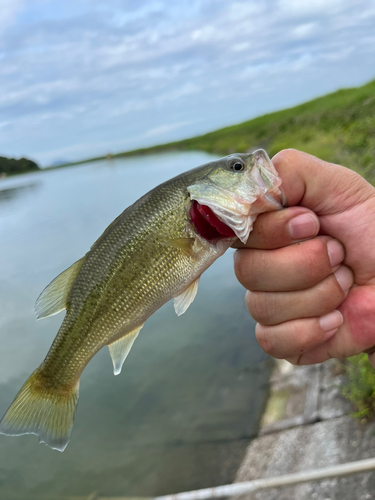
345, 277
303, 226
336, 252
330, 322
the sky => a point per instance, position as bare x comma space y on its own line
80, 78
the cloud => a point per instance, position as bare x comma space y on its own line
162, 129
9, 10
297, 7
120, 73
304, 30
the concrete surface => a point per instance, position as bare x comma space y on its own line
307, 426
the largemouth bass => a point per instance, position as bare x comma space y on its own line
154, 251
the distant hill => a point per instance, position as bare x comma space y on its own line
59, 163
338, 127
11, 166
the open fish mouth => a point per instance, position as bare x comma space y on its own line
237, 224
208, 225
237, 207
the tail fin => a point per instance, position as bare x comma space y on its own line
42, 410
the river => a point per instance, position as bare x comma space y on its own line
192, 390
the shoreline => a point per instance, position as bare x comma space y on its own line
307, 425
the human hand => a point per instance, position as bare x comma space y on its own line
314, 299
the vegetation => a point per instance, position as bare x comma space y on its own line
11, 166
338, 127
360, 388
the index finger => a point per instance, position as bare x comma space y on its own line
282, 228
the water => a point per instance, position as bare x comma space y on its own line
191, 393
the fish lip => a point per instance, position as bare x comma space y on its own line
275, 200
260, 192
273, 194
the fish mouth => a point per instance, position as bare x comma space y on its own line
221, 209
207, 224
236, 209
271, 196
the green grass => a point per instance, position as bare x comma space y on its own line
338, 127
360, 386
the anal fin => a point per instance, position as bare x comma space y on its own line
121, 348
183, 301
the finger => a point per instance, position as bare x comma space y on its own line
271, 308
330, 349
292, 338
291, 268
341, 198
282, 228
356, 335
317, 354
318, 185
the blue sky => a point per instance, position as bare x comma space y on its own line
80, 78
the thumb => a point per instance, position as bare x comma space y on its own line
324, 188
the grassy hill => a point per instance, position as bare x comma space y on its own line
338, 127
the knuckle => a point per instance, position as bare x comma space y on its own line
262, 307
316, 260
241, 265
270, 340
263, 338
285, 155
245, 270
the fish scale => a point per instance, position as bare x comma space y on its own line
153, 252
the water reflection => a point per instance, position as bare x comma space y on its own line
192, 390
8, 194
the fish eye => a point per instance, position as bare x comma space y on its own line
237, 167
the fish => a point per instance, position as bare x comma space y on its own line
155, 251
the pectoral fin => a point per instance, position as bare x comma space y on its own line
183, 301
182, 243
54, 297
121, 348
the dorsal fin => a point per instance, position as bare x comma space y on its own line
121, 348
183, 301
54, 297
